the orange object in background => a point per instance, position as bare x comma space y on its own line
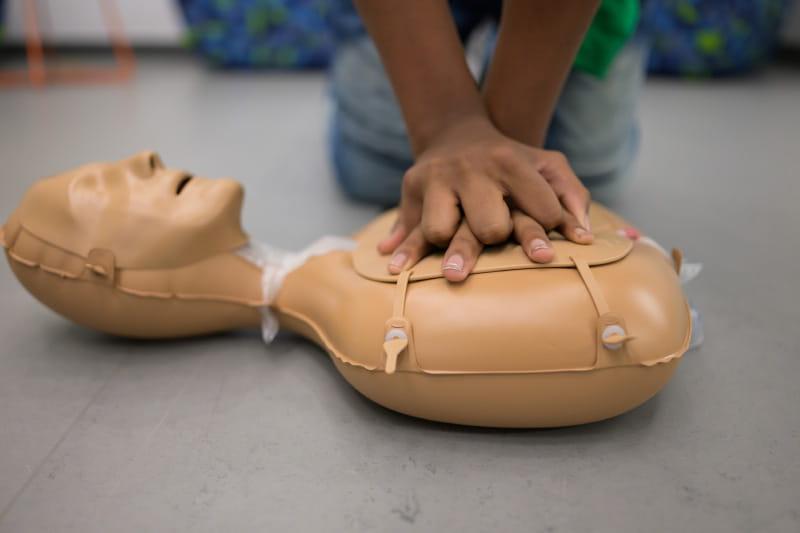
37, 72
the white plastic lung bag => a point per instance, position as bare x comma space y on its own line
276, 264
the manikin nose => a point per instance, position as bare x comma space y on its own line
145, 164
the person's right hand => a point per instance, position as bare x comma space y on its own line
472, 187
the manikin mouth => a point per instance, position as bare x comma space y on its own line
183, 183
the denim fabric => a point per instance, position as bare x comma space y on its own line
595, 123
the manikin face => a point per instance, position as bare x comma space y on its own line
149, 216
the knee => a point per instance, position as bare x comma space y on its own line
363, 174
368, 142
595, 123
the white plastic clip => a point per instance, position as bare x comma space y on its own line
395, 333
395, 341
614, 336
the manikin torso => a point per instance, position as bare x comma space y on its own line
135, 249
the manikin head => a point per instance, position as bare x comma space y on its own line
147, 215
131, 234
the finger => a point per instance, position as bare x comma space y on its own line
574, 230
486, 211
412, 194
461, 255
397, 234
440, 215
409, 212
532, 237
410, 251
531, 192
576, 201
567, 186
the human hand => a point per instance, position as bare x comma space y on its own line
472, 187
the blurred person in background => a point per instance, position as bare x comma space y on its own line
472, 164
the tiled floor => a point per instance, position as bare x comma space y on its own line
223, 434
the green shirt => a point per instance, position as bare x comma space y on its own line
612, 27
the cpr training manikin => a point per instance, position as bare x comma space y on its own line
135, 249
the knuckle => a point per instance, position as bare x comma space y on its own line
550, 215
412, 177
407, 192
466, 246
437, 233
529, 231
531, 234
493, 232
502, 153
557, 157
438, 167
461, 166
416, 240
474, 180
407, 217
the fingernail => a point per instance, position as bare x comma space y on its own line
587, 223
582, 233
398, 260
454, 262
538, 244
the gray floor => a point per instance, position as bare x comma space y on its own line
222, 433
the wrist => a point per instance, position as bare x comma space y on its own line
471, 124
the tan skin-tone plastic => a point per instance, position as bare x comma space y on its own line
593, 334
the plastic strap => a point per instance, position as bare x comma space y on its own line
397, 330
611, 332
592, 286
276, 264
399, 307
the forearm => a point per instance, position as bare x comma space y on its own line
536, 45
424, 58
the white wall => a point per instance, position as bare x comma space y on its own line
147, 22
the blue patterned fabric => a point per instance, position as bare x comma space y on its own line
711, 37
260, 33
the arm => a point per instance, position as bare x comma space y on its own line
536, 46
462, 162
424, 59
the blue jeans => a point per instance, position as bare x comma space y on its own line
595, 124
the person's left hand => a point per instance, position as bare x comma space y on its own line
473, 187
